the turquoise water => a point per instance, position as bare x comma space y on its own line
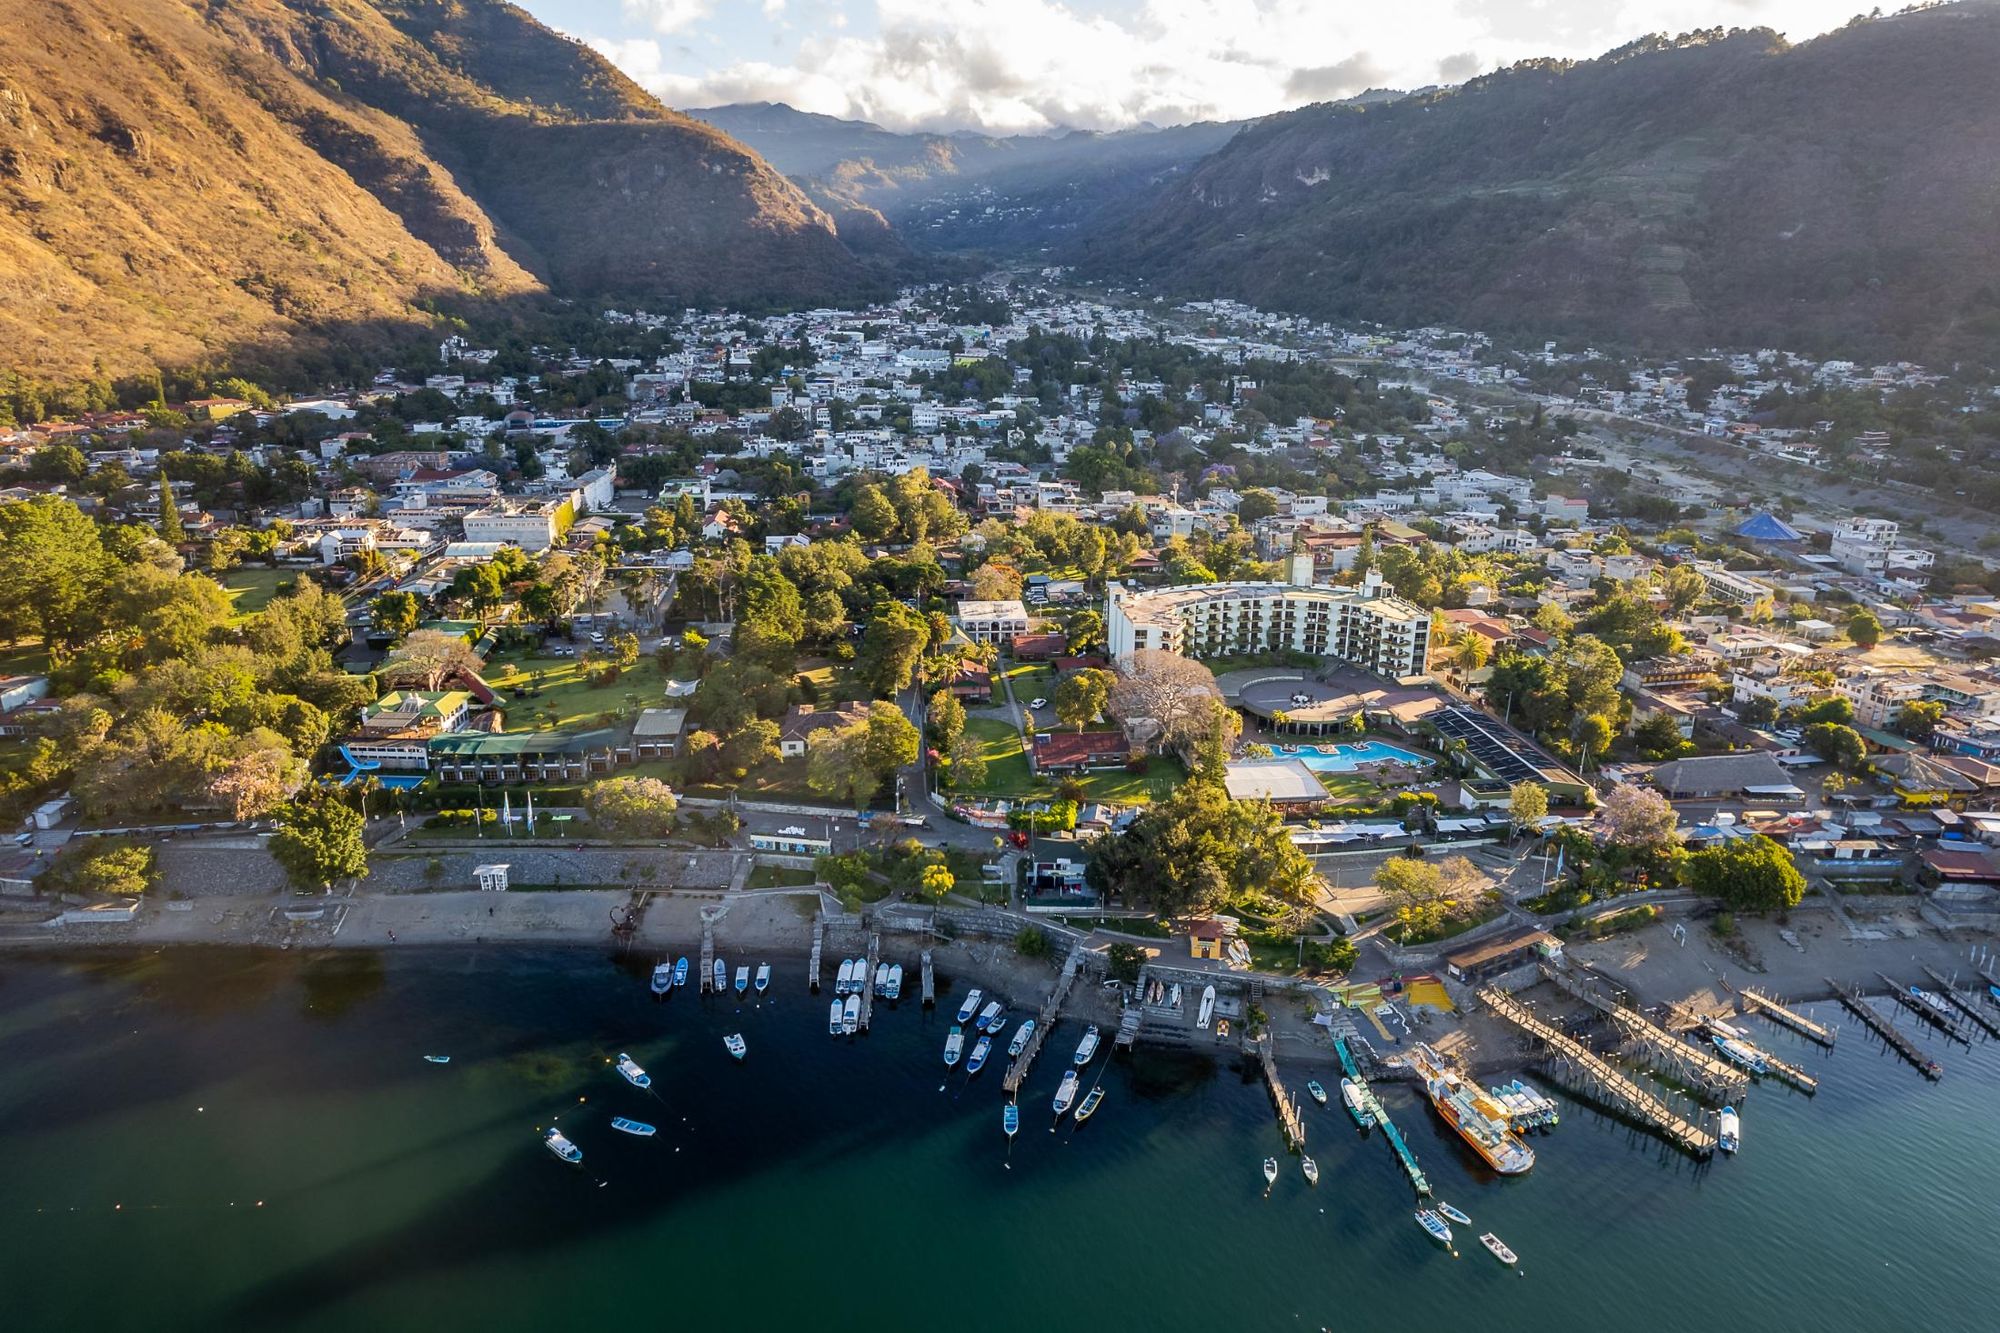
1349, 758
225, 1140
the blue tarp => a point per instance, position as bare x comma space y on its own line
1769, 528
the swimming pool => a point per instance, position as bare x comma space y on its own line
1349, 758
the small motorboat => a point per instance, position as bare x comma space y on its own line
882, 980
763, 977
1498, 1248
894, 990
735, 1045
843, 980
720, 974
1729, 1133
971, 1005
1357, 1103
850, 1015
1311, 1169
437, 1059
562, 1147
1066, 1092
999, 1026
1316, 1092
1089, 1107
1742, 1053
636, 1128
989, 1017
1022, 1035
634, 1075
954, 1044
680, 971
663, 978
1088, 1046
1270, 1173
1207, 1008
833, 1014
1451, 1214
1939, 1007
742, 979
977, 1060
1435, 1226
1010, 1119
1993, 992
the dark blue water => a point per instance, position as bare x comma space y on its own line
225, 1140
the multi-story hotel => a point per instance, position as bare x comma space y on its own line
1368, 627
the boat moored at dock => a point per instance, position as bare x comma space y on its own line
663, 978
634, 1075
850, 1014
1356, 1097
1066, 1091
763, 977
1022, 1036
1729, 1130
1741, 1052
893, 990
1088, 1046
989, 1017
1310, 1168
1089, 1106
721, 974
1481, 1121
954, 1045
742, 979
1451, 1214
1434, 1226
681, 971
977, 1060
971, 1005
834, 1011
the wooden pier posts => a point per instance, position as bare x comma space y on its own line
868, 977
819, 942
1017, 1072
1960, 1003
1883, 1028
1791, 1018
930, 981
1290, 1121
707, 957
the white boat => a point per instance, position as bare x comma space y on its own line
1174, 1000
681, 971
999, 1026
636, 1128
663, 978
882, 980
971, 1005
1742, 1053
894, 990
850, 1015
844, 982
1435, 1225
1316, 1092
977, 1060
989, 1017
562, 1147
1270, 1172
721, 975
1207, 1008
1729, 1134
1498, 1248
1090, 1103
1939, 1007
1022, 1035
1311, 1168
735, 1045
1452, 1214
437, 1059
763, 977
634, 1075
1066, 1093
954, 1044
834, 1010
1088, 1046
1356, 1098
742, 979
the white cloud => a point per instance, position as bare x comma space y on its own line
1033, 65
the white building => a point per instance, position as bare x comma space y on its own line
532, 527
992, 622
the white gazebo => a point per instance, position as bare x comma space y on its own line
492, 878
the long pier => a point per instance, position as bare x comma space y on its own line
1603, 1080
1290, 1121
1418, 1181
930, 981
1789, 1017
1960, 1003
1663, 1052
1901, 995
707, 957
1887, 1031
868, 978
1017, 1072
819, 943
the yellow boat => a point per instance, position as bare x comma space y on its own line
1479, 1119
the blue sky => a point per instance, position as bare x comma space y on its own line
1028, 66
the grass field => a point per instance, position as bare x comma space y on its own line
558, 685
1007, 771
251, 588
29, 659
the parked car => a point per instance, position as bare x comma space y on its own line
1038, 703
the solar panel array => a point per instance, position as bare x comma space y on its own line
1492, 746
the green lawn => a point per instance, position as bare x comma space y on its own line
1350, 789
1155, 782
1031, 680
1007, 771
557, 684
251, 588
29, 659
779, 877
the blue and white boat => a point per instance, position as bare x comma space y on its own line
954, 1043
663, 978
833, 1015
743, 979
634, 1075
1088, 1046
882, 980
894, 990
989, 1017
721, 975
977, 1060
1066, 1091
763, 977
437, 1059
1356, 1099
1729, 1132
999, 1026
971, 1005
843, 980
680, 971
562, 1147
1010, 1119
1742, 1053
735, 1045
1091, 1100
850, 1015
1316, 1092
1450, 1213
1022, 1036
1435, 1225
636, 1128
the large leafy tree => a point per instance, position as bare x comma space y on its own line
319, 841
891, 647
1196, 851
428, 657
1752, 874
631, 807
53, 567
1081, 696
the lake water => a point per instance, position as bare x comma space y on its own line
208, 1140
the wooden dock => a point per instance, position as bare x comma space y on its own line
1901, 995
1791, 1018
1291, 1123
1017, 1072
1660, 1050
1958, 1001
819, 944
930, 982
707, 957
868, 980
1600, 1079
1887, 1031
